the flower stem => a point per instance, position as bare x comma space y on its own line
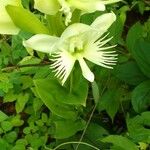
83, 143
71, 83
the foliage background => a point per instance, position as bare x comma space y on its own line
116, 109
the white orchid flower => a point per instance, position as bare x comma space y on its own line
51, 7
6, 24
77, 43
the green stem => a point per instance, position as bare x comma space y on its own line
91, 115
71, 83
23, 66
83, 143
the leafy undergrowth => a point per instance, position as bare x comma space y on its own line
37, 113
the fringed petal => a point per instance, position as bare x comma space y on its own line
63, 64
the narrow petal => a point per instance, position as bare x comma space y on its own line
41, 42
6, 24
102, 23
63, 64
86, 72
87, 5
50, 7
75, 29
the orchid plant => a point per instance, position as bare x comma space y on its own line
79, 42
72, 48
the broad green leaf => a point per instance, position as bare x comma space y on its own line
138, 127
129, 72
26, 20
76, 96
120, 141
3, 116
134, 33
141, 97
95, 132
50, 91
62, 132
141, 53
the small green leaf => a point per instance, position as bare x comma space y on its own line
4, 145
11, 136
16, 121
21, 101
121, 142
141, 97
19, 147
6, 126
26, 20
138, 127
3, 116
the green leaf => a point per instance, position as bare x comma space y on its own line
120, 141
62, 132
26, 20
116, 30
134, 33
19, 147
53, 95
21, 101
5, 84
138, 127
37, 104
129, 72
6, 126
141, 97
3, 116
76, 96
10, 96
141, 54
11, 136
95, 132
110, 102
4, 145
16, 121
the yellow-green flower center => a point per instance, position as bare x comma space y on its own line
76, 45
